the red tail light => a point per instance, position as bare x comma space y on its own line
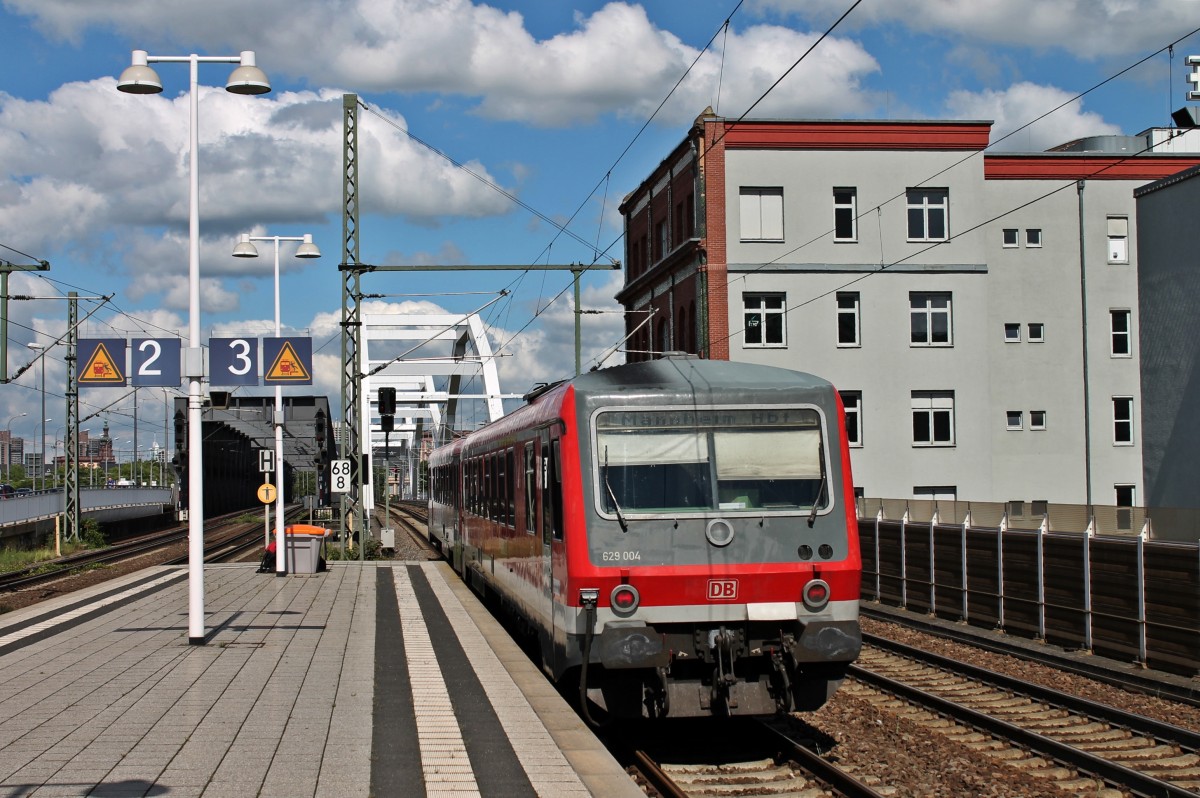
624, 599
816, 594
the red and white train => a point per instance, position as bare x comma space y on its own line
680, 534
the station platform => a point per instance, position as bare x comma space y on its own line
381, 679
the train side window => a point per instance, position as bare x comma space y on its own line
510, 488
556, 489
530, 488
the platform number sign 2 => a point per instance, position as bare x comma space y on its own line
339, 476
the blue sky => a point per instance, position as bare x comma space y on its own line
540, 98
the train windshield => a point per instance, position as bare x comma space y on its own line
671, 460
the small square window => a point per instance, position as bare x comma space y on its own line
1015, 419
1037, 419
1037, 332
1009, 237
1012, 332
1033, 237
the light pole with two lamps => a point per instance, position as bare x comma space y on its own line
307, 249
247, 78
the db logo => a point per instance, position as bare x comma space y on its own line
722, 589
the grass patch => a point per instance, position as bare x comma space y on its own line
18, 559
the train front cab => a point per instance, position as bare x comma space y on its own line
711, 559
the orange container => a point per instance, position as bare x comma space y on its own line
305, 529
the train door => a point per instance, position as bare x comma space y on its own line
554, 560
544, 525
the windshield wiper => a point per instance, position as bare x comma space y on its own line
812, 514
613, 496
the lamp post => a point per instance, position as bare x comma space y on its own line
8, 444
41, 350
247, 78
307, 249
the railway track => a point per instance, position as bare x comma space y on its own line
1180, 690
411, 517
1080, 745
226, 539
50, 570
753, 758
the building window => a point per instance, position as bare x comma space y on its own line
927, 211
764, 319
1009, 237
1037, 332
660, 237
1015, 419
1122, 420
1012, 332
1033, 237
933, 418
1125, 496
762, 214
852, 402
1118, 239
1122, 343
1037, 419
845, 214
848, 319
936, 492
930, 319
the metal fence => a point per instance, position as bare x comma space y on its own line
1127, 598
1156, 523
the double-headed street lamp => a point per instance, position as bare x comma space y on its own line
307, 249
247, 78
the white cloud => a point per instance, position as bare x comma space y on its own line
614, 61
1015, 106
1089, 29
108, 172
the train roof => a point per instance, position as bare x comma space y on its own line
706, 380
671, 379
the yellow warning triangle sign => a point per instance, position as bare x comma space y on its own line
101, 368
288, 366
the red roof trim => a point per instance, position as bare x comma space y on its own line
864, 135
1089, 167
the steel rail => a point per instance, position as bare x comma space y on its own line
1104, 769
1128, 680
657, 777
1148, 727
62, 567
825, 771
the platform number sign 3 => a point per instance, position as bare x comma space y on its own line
339, 476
